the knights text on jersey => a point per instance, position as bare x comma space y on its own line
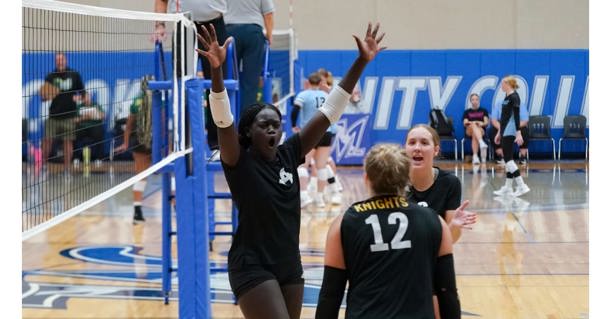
390, 249
267, 197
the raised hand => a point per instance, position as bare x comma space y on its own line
369, 47
215, 53
464, 218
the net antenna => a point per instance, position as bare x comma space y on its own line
279, 69
111, 50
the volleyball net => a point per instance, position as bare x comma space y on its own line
82, 79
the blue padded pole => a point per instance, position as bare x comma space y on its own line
166, 248
186, 240
157, 106
193, 240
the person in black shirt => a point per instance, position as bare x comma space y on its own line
509, 134
475, 120
61, 86
429, 186
265, 270
394, 254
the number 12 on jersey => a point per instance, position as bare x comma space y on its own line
397, 242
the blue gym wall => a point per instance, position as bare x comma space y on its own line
115, 80
430, 69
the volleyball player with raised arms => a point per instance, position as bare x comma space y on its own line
394, 253
265, 270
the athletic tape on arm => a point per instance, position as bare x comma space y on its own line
335, 104
220, 107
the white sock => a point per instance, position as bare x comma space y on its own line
313, 182
520, 181
482, 143
509, 182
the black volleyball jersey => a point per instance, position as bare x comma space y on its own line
390, 249
444, 194
267, 197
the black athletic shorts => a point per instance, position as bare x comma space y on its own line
327, 140
249, 276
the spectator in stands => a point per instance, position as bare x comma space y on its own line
203, 12
90, 127
476, 119
245, 22
61, 86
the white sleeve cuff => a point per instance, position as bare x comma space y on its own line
220, 108
335, 104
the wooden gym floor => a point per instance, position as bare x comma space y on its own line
526, 258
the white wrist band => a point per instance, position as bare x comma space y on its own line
221, 109
335, 104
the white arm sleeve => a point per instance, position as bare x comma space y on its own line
335, 104
220, 107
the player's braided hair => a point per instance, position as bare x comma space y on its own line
247, 118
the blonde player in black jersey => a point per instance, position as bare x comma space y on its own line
265, 270
394, 254
430, 186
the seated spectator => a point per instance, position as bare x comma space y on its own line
476, 119
90, 125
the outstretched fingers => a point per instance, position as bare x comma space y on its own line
380, 38
206, 34
464, 205
374, 34
213, 32
368, 30
205, 43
